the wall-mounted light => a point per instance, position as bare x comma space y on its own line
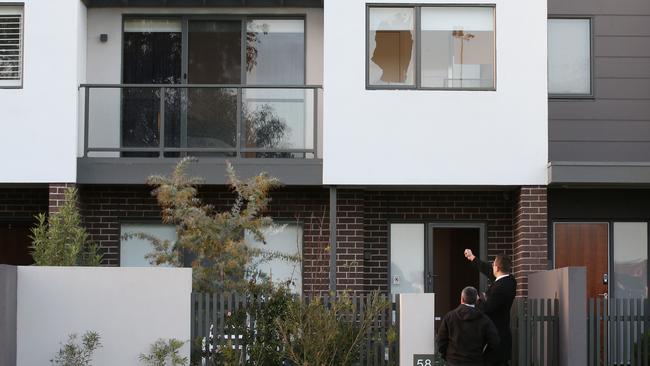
103, 37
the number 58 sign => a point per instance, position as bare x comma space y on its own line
423, 360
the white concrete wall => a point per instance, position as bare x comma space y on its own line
39, 120
105, 60
416, 326
129, 307
437, 137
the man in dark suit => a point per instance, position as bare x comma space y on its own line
497, 303
465, 333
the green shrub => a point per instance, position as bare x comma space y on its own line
221, 260
74, 354
164, 353
313, 334
60, 240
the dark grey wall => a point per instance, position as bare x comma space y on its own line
8, 315
598, 204
615, 125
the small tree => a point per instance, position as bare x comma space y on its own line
212, 241
164, 353
60, 240
74, 354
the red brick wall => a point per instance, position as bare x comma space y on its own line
530, 234
56, 195
493, 208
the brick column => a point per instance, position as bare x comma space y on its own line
530, 246
349, 255
56, 195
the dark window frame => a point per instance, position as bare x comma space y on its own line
418, 46
591, 95
243, 18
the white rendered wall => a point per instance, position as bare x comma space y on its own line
425, 137
39, 120
129, 307
105, 61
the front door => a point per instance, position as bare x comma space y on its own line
584, 245
448, 270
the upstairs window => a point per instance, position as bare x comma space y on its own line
11, 46
431, 47
569, 57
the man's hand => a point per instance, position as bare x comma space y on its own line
469, 255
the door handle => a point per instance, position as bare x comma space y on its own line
604, 295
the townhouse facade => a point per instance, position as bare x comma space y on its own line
404, 131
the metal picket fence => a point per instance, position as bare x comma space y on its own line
209, 325
618, 332
535, 332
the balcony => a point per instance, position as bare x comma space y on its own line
134, 130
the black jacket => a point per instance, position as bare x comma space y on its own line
464, 334
499, 298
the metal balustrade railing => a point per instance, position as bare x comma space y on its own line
173, 120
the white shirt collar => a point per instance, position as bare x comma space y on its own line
500, 277
470, 305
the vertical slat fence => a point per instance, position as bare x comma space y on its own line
618, 332
210, 328
535, 332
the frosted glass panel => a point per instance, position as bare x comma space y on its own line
406, 258
391, 46
133, 251
152, 25
286, 239
630, 260
458, 18
569, 56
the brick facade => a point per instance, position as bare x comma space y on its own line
22, 203
105, 207
56, 195
362, 229
494, 208
530, 244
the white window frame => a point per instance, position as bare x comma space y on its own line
10, 10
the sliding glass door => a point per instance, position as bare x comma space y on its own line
151, 55
214, 57
224, 117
